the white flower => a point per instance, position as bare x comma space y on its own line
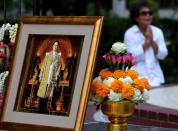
119, 48
13, 32
121, 79
126, 80
108, 81
137, 95
2, 30
114, 96
7, 26
98, 79
145, 95
3, 77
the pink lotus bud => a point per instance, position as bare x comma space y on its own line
128, 58
124, 59
107, 57
119, 59
133, 62
114, 58
129, 55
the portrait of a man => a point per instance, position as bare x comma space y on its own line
51, 74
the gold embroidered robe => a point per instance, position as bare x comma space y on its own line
50, 70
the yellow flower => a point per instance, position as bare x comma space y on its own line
146, 83
102, 91
127, 91
105, 73
94, 86
139, 84
117, 86
132, 73
119, 73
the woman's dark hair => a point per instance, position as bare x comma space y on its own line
136, 7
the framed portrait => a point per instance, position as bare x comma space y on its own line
52, 70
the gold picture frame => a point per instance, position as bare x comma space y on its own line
78, 41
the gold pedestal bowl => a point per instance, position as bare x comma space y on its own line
118, 112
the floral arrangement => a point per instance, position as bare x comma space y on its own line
13, 32
3, 76
7, 36
118, 82
3, 30
8, 33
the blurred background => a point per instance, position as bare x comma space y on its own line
116, 21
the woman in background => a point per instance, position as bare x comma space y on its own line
146, 43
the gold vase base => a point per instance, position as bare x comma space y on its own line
117, 127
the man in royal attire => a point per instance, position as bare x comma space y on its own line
49, 75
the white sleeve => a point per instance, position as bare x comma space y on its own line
133, 47
162, 49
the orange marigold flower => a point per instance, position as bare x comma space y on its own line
105, 73
146, 83
127, 91
102, 91
139, 84
117, 86
94, 86
132, 73
119, 73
